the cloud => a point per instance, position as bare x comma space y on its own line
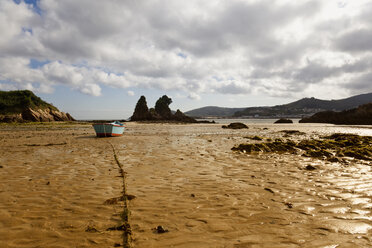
194, 96
130, 93
359, 40
278, 48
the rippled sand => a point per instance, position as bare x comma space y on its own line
55, 179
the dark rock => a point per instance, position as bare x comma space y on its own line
124, 227
130, 197
235, 125
1, 167
282, 120
161, 229
162, 107
310, 167
270, 190
289, 205
48, 183
141, 111
192, 195
181, 117
117, 245
334, 160
208, 122
161, 112
91, 229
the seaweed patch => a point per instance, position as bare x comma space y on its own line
330, 147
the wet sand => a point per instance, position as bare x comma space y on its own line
55, 180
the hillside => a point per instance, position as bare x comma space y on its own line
12, 102
213, 111
357, 116
24, 105
306, 107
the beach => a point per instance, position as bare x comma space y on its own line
56, 182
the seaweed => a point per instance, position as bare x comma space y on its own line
327, 147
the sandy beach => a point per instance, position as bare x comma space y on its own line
56, 180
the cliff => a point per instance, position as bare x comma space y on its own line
357, 116
25, 106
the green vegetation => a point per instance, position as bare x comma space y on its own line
12, 102
306, 106
329, 147
358, 116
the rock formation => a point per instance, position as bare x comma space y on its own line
235, 125
161, 112
141, 112
357, 116
25, 106
282, 120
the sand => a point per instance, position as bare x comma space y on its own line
55, 181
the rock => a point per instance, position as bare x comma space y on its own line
289, 205
161, 229
130, 197
181, 117
270, 190
334, 160
161, 112
25, 106
37, 115
141, 112
310, 167
235, 125
282, 120
91, 229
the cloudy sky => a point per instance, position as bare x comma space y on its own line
95, 58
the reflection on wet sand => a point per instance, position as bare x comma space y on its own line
186, 179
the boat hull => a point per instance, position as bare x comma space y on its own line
108, 130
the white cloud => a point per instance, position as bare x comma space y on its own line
194, 96
192, 47
130, 93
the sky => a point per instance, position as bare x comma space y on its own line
95, 58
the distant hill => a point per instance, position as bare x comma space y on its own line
24, 105
306, 107
357, 116
213, 111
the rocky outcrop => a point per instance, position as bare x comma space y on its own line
161, 112
25, 106
37, 115
235, 125
358, 116
282, 120
181, 117
141, 112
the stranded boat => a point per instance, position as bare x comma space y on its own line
109, 129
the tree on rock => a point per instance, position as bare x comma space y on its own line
141, 112
162, 107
